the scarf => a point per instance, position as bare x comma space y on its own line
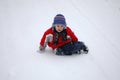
58, 34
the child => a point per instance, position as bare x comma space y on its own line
61, 38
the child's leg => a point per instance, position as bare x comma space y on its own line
68, 49
59, 51
78, 46
65, 50
71, 48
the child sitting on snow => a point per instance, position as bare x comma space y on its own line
61, 38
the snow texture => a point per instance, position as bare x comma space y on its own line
95, 22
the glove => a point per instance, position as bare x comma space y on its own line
41, 48
48, 39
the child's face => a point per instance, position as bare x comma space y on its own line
59, 27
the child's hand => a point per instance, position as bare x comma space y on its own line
41, 48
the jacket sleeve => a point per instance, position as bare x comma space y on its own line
71, 35
42, 42
47, 37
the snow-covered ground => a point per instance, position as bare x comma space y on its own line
23, 22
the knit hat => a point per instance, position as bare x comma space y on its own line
59, 19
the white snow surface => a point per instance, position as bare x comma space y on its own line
95, 22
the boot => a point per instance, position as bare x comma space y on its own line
85, 49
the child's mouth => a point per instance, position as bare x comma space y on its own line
59, 30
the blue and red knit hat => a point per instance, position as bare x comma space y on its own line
59, 19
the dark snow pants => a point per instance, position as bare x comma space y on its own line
70, 48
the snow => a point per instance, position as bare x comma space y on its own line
23, 22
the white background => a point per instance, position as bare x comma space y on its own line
95, 22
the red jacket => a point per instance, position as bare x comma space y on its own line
70, 37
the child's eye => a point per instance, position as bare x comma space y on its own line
59, 25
